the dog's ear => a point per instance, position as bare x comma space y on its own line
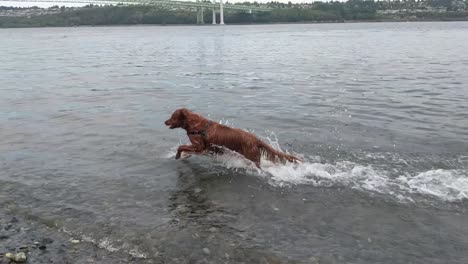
185, 112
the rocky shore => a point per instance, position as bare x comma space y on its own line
41, 244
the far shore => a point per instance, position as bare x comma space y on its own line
259, 24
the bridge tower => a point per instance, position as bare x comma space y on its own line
221, 13
214, 12
200, 15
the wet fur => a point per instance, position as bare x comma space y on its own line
218, 136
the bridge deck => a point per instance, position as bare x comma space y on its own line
153, 2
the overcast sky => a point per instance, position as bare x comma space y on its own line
28, 4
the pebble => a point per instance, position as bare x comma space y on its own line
18, 258
314, 260
206, 251
74, 241
21, 257
24, 249
4, 236
47, 240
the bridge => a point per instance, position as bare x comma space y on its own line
198, 5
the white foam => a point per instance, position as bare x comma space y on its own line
342, 173
448, 185
107, 245
233, 160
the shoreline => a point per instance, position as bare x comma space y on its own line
44, 244
257, 24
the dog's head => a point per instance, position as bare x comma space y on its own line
178, 118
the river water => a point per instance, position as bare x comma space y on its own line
378, 111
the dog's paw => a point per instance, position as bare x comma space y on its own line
186, 156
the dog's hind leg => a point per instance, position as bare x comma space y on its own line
254, 155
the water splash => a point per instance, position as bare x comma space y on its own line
444, 184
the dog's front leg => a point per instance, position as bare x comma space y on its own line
188, 148
180, 149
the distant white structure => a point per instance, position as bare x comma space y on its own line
221, 12
214, 13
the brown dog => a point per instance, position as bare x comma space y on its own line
208, 136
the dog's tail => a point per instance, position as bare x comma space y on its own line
275, 155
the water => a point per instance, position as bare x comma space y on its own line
378, 111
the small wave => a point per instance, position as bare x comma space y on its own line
107, 244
